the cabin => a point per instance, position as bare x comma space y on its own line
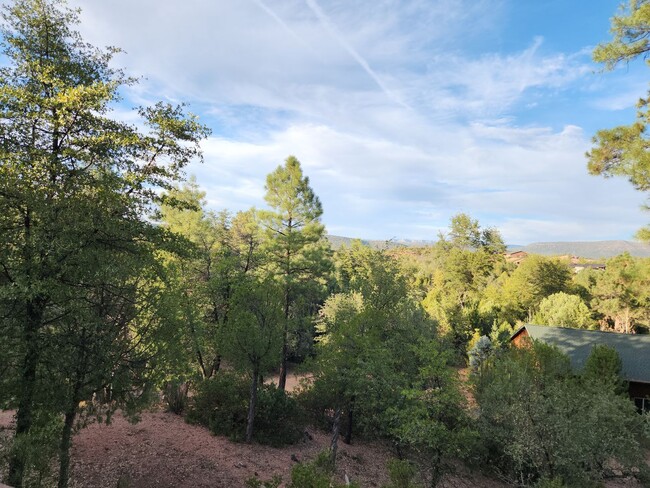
633, 349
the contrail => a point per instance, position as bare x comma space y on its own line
324, 20
282, 23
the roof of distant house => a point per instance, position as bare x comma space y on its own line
633, 349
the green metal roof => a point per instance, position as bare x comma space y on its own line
634, 349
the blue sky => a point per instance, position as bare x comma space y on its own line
402, 112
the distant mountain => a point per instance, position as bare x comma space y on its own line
338, 241
588, 249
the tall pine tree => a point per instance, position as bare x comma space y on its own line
298, 256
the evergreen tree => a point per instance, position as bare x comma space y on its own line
297, 255
80, 282
623, 151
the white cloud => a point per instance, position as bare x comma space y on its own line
397, 125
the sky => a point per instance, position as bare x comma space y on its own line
401, 112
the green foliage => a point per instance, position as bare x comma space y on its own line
365, 336
539, 419
315, 474
463, 264
516, 297
623, 150
402, 474
81, 291
39, 448
221, 404
480, 353
466, 233
252, 338
621, 293
501, 334
255, 482
430, 422
564, 310
224, 250
550, 483
279, 419
298, 256
603, 367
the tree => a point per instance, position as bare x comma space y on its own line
365, 337
621, 293
224, 250
539, 419
466, 233
297, 255
624, 150
80, 278
564, 310
517, 296
603, 368
467, 260
430, 424
252, 338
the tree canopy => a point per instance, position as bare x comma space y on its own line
624, 150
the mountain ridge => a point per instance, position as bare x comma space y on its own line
584, 249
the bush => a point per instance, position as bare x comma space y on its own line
316, 401
38, 449
279, 419
540, 420
402, 474
175, 394
315, 474
255, 482
221, 404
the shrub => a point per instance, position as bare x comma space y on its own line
541, 420
402, 474
221, 404
255, 482
175, 394
316, 401
279, 419
38, 448
315, 474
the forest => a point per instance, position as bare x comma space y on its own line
121, 289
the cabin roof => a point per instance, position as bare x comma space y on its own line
633, 349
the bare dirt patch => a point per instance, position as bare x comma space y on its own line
163, 451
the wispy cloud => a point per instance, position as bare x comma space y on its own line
399, 111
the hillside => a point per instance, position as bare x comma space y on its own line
585, 249
589, 249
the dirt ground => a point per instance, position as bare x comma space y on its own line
162, 451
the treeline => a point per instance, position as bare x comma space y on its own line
117, 283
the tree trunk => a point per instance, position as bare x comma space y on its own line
28, 385
251, 405
282, 382
336, 428
348, 432
64, 448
